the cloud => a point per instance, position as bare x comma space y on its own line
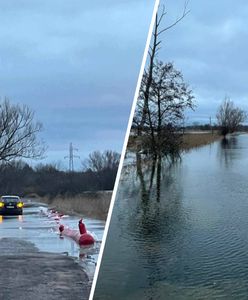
209, 47
75, 63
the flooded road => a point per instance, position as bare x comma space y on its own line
182, 232
35, 227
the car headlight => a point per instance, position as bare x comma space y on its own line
19, 205
1, 204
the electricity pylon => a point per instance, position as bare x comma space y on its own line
71, 157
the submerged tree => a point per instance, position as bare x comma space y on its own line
18, 133
163, 98
153, 52
230, 117
169, 97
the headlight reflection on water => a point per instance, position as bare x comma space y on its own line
20, 218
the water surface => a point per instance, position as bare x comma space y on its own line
35, 227
181, 232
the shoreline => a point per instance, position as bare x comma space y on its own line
197, 140
189, 140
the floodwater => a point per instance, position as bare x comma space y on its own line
180, 231
35, 227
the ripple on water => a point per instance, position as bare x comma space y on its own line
193, 243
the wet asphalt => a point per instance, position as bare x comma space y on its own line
37, 264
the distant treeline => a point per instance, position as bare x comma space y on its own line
201, 127
47, 180
212, 127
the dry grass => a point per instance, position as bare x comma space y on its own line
194, 140
90, 204
190, 140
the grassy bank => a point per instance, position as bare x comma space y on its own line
90, 204
195, 140
189, 140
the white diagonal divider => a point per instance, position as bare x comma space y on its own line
155, 9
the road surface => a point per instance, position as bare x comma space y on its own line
37, 264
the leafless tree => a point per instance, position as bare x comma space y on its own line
169, 97
18, 133
99, 161
230, 117
153, 51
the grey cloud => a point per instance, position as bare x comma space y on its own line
76, 64
210, 47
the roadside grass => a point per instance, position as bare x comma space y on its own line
89, 204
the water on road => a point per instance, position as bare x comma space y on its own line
35, 227
180, 232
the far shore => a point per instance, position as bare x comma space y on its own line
196, 140
90, 204
190, 140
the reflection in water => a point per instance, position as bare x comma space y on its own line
9, 217
151, 167
146, 187
228, 149
154, 218
154, 213
180, 231
20, 218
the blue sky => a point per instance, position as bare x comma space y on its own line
210, 47
76, 64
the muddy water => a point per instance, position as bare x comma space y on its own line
37, 228
181, 233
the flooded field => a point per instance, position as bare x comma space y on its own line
35, 227
182, 230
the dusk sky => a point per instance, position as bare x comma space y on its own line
210, 47
76, 64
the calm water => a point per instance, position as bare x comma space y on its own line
186, 237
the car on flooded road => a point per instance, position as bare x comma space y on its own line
11, 205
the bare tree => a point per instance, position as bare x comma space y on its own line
153, 51
18, 133
169, 97
230, 117
99, 161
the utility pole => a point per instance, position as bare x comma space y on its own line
210, 123
71, 157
